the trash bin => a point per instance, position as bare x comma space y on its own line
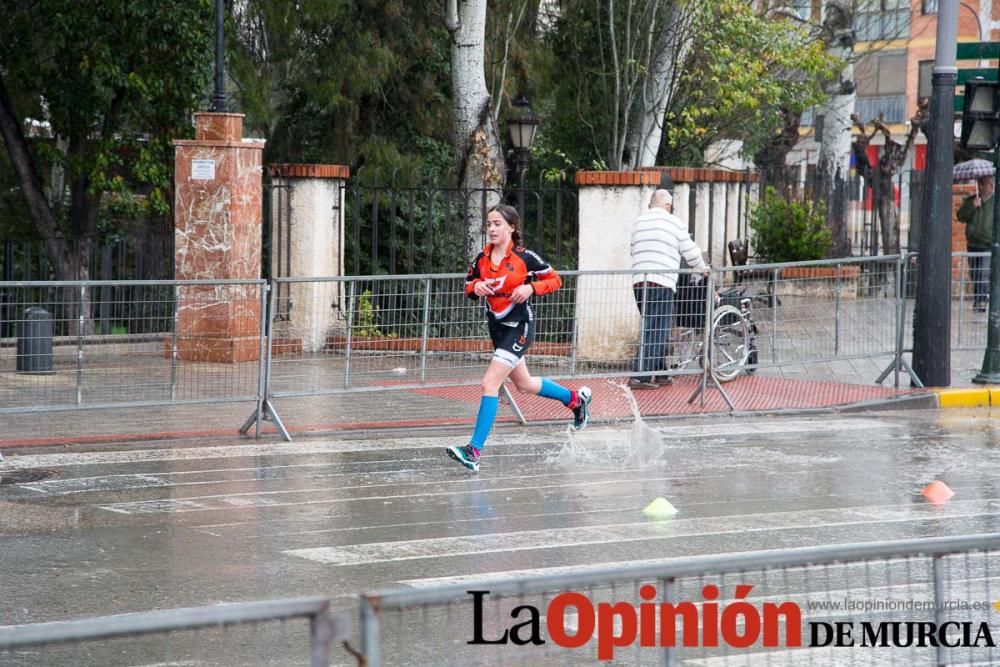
34, 341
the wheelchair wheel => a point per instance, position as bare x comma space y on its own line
687, 346
730, 343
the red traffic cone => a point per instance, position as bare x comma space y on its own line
937, 492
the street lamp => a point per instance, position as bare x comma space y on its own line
219, 98
522, 123
981, 132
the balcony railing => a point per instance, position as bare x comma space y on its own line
892, 108
872, 26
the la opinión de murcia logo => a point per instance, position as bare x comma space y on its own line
654, 624
706, 624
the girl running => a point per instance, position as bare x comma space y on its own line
507, 276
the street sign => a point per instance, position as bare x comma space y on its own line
978, 50
985, 73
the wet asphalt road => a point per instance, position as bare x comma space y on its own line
140, 527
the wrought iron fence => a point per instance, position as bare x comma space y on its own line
113, 307
125, 257
864, 224
393, 230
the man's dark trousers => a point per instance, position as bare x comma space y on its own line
980, 270
656, 305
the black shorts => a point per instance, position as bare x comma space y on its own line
511, 340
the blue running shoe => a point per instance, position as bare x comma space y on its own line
467, 456
581, 413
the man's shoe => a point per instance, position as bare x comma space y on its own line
581, 413
467, 456
638, 383
663, 380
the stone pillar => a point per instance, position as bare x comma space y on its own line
307, 218
217, 224
682, 202
701, 218
732, 217
719, 226
607, 319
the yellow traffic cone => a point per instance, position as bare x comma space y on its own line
660, 508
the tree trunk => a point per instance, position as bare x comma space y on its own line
888, 216
834, 161
67, 264
646, 133
770, 160
833, 169
476, 140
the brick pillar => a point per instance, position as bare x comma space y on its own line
607, 319
217, 226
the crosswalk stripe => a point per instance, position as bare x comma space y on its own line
376, 552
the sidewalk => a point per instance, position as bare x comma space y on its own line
789, 388
419, 408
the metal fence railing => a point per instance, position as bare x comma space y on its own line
928, 601
252, 633
831, 605
126, 343
119, 343
383, 332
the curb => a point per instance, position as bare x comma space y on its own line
968, 398
922, 401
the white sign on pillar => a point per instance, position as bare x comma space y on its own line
203, 170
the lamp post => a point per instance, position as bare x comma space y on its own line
981, 131
932, 313
219, 98
523, 124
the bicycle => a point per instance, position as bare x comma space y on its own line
733, 333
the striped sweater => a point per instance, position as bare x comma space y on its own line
659, 239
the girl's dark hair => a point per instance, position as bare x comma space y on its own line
513, 218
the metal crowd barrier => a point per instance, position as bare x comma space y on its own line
831, 605
256, 633
927, 601
108, 344
164, 342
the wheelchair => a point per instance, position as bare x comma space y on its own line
733, 333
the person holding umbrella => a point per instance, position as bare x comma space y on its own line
977, 214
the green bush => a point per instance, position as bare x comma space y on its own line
789, 231
366, 322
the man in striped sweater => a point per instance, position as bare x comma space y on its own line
659, 239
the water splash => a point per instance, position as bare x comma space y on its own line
645, 444
643, 447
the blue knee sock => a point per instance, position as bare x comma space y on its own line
551, 389
484, 421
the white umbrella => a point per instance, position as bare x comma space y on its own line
970, 170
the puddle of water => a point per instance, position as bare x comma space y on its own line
644, 446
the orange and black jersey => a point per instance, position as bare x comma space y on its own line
519, 266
